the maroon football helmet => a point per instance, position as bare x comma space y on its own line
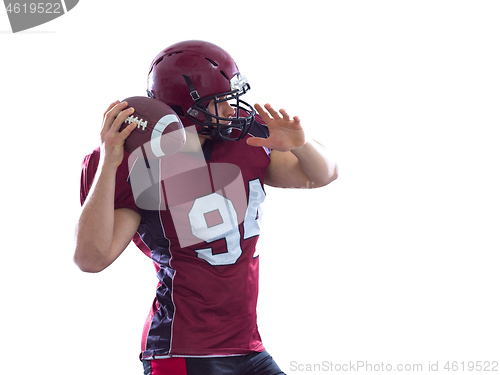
189, 75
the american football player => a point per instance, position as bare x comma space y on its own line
202, 218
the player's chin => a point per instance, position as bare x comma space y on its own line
225, 123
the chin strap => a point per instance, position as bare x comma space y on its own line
192, 91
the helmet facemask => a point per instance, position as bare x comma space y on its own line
217, 127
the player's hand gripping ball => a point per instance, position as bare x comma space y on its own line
159, 132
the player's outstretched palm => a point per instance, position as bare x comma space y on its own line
285, 133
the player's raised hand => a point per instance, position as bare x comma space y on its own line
285, 133
112, 140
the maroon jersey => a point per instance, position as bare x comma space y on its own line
200, 224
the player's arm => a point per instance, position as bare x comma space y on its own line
295, 161
102, 233
308, 166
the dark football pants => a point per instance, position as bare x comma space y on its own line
250, 364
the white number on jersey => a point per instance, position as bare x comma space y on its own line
228, 228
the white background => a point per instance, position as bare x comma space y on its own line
396, 262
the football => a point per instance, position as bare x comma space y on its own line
159, 131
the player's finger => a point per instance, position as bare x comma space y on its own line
111, 114
272, 111
257, 142
285, 115
262, 113
114, 109
122, 116
109, 108
129, 129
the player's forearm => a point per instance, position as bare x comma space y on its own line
317, 163
94, 232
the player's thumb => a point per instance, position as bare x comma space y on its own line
257, 142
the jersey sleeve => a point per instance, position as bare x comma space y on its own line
124, 198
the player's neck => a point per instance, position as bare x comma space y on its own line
202, 140
194, 143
